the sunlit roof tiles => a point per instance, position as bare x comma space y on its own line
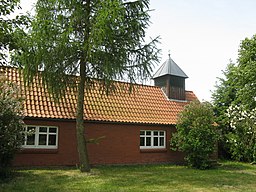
145, 104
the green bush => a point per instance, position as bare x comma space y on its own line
196, 134
11, 125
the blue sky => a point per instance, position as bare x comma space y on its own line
202, 36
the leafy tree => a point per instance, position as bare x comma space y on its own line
246, 74
239, 85
223, 96
103, 39
196, 134
237, 88
11, 29
11, 125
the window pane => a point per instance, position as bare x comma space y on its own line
142, 141
142, 132
24, 137
148, 132
31, 139
52, 130
43, 129
161, 132
161, 141
155, 132
148, 141
52, 140
155, 141
31, 130
40, 136
42, 139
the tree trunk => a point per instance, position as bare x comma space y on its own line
80, 129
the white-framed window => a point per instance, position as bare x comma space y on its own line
152, 139
43, 137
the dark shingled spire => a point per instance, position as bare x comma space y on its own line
169, 67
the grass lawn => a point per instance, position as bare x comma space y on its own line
230, 176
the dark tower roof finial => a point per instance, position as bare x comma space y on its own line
169, 54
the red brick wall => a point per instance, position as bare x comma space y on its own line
120, 146
66, 154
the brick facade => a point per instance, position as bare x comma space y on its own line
121, 145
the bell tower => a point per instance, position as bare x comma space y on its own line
171, 78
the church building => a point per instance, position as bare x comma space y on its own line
133, 127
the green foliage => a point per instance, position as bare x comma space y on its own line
242, 138
237, 88
246, 74
11, 29
223, 96
106, 37
11, 125
239, 84
196, 134
103, 39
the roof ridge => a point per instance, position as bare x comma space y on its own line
118, 81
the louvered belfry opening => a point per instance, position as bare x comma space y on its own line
177, 88
171, 78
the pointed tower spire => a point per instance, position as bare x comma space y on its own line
169, 67
171, 78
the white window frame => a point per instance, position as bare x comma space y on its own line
37, 133
152, 136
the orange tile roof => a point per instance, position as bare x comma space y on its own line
146, 104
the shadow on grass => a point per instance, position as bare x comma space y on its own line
237, 166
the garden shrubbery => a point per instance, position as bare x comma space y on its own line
11, 125
196, 134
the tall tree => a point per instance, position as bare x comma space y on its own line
239, 84
238, 89
223, 96
11, 28
246, 74
103, 39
